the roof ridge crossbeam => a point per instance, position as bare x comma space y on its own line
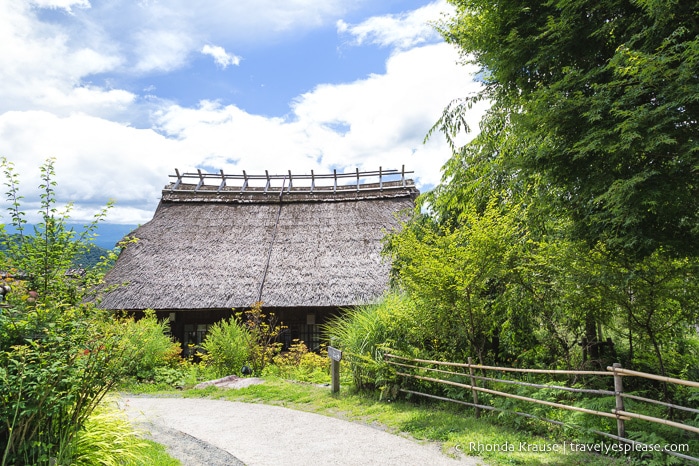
223, 182
245, 183
201, 180
329, 182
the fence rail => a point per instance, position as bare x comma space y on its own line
435, 369
389, 179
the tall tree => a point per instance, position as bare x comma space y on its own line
602, 98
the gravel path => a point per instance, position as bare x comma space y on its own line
218, 432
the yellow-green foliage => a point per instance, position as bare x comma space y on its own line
107, 439
299, 364
264, 329
147, 347
227, 347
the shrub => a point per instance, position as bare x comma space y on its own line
57, 357
264, 329
56, 365
364, 333
300, 364
227, 347
148, 350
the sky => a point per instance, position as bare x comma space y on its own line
122, 92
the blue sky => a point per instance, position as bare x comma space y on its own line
122, 92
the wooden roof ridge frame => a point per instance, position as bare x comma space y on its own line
389, 179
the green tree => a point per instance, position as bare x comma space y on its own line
657, 303
456, 275
44, 257
57, 358
602, 100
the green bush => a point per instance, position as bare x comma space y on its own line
150, 352
227, 347
365, 333
56, 364
58, 355
300, 364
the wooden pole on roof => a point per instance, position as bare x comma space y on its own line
179, 180
223, 182
201, 180
245, 183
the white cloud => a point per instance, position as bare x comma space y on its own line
96, 159
137, 37
49, 109
61, 4
402, 31
161, 35
160, 50
254, 20
221, 57
42, 68
381, 120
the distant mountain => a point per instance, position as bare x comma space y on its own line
108, 234
85, 260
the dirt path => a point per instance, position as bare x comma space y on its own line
218, 432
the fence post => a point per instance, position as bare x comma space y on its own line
618, 390
474, 392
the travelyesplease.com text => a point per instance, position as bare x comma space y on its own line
543, 447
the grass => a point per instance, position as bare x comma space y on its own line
452, 426
109, 439
154, 454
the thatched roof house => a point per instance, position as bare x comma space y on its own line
305, 246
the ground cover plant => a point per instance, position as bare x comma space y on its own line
108, 439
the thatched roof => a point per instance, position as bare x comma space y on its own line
211, 247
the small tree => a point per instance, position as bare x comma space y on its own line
56, 359
44, 257
263, 330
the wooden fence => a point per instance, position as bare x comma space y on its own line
439, 371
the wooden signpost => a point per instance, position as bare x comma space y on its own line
335, 356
